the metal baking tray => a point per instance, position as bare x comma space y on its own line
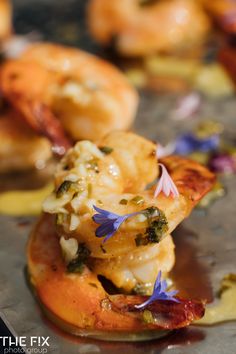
205, 242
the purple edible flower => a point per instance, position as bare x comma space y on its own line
159, 293
188, 143
187, 106
109, 222
166, 184
223, 163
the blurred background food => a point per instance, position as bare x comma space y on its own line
5, 19
186, 87
138, 28
52, 96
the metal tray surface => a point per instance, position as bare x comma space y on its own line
211, 232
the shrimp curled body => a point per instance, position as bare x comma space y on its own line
112, 174
144, 28
58, 89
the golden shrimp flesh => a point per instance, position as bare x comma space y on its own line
66, 259
139, 28
20, 148
63, 93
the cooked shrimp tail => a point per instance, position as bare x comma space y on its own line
43, 121
73, 94
192, 179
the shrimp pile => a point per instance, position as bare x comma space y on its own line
140, 28
112, 174
5, 19
67, 94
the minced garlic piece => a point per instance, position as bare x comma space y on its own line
69, 248
72, 194
74, 222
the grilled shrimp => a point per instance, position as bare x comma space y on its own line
20, 148
142, 27
5, 19
58, 89
114, 175
79, 304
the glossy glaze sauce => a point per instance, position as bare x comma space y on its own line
24, 202
23, 193
190, 276
224, 308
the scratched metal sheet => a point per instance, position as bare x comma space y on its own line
210, 233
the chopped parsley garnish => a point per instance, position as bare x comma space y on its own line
138, 200
106, 149
77, 264
65, 187
157, 227
123, 201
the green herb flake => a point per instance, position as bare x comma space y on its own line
65, 187
59, 219
106, 149
92, 165
148, 317
141, 289
140, 240
138, 200
157, 227
123, 202
77, 264
151, 212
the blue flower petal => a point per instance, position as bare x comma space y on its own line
159, 293
172, 293
99, 219
105, 213
163, 286
105, 228
188, 143
109, 222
